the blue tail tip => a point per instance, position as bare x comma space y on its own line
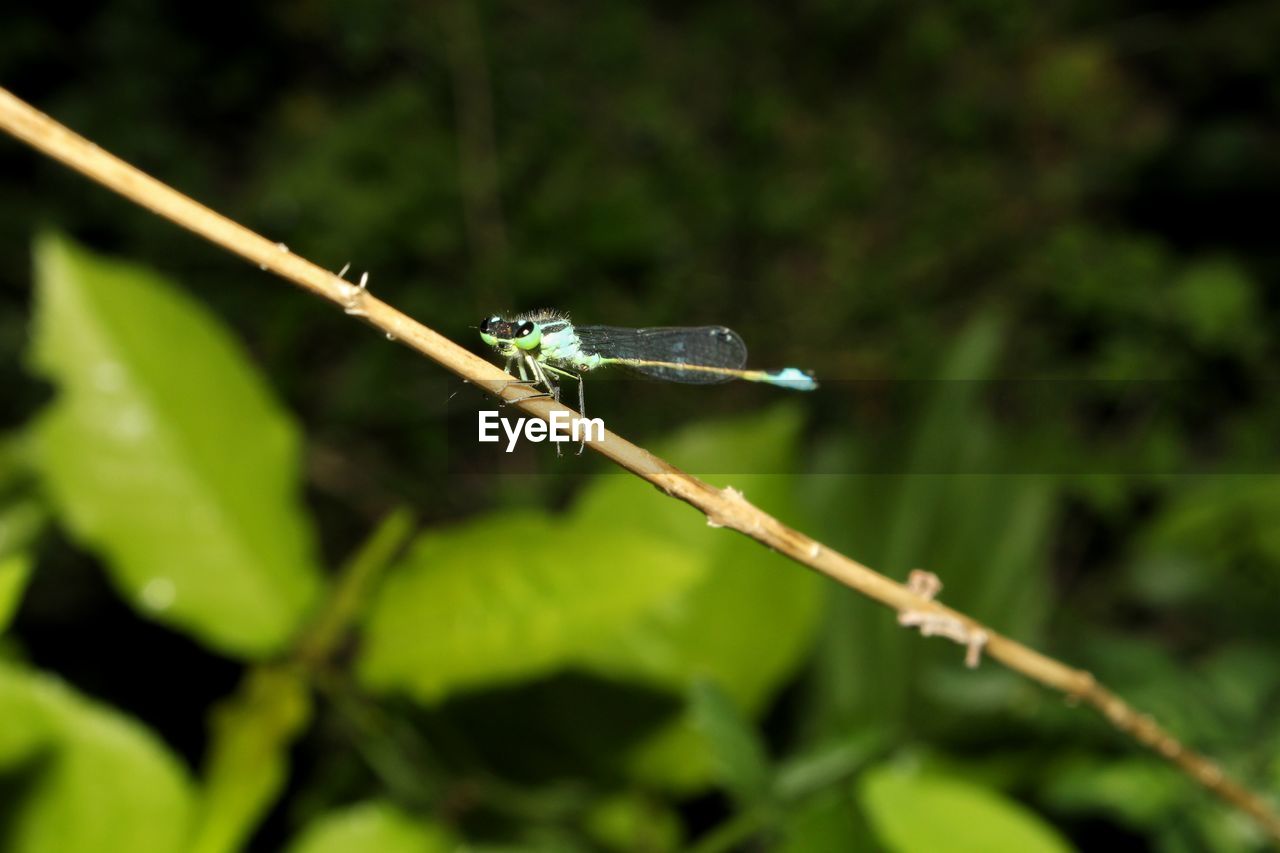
793, 378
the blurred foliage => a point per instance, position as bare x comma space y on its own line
1024, 246
915, 811
86, 777
15, 569
372, 826
248, 760
144, 458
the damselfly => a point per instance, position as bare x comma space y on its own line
545, 344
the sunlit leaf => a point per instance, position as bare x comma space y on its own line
166, 454
88, 778
923, 812
372, 826
509, 597
714, 628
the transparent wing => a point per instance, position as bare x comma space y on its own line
670, 347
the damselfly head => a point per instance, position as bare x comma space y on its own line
504, 334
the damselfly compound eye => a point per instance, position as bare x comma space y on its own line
528, 335
487, 324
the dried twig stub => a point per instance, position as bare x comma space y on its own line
932, 624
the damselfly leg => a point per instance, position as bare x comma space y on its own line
582, 399
524, 380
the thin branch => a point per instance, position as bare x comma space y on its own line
723, 508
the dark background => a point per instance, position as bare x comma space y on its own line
851, 186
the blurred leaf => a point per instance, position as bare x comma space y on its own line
634, 822
14, 571
759, 446
21, 521
711, 629
356, 579
373, 826
1140, 791
1151, 677
1219, 534
674, 604
924, 812
1244, 678
166, 454
739, 757
985, 535
509, 597
675, 757
1205, 825
826, 765
248, 759
23, 515
826, 823
89, 779
565, 725
1216, 301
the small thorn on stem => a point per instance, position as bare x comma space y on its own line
353, 298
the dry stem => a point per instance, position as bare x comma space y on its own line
726, 508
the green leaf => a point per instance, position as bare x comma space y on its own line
826, 765
711, 630
371, 826
825, 823
819, 812
707, 632
985, 535
349, 596
14, 571
248, 759
634, 822
509, 597
1139, 791
22, 519
1216, 303
166, 454
631, 586
89, 778
1214, 548
739, 756
23, 516
925, 812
